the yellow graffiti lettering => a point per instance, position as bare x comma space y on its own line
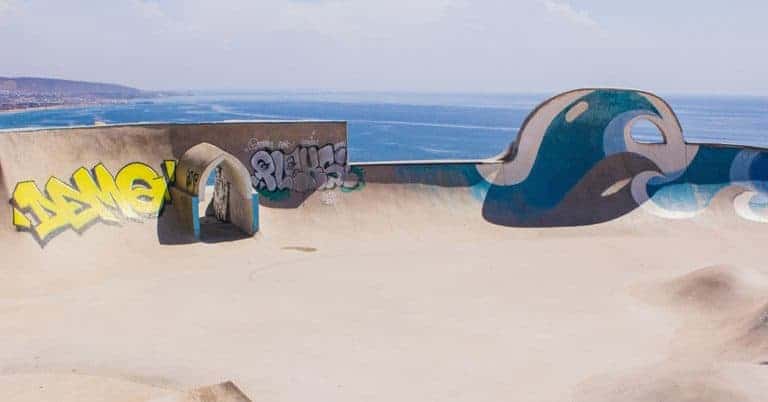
169, 167
137, 191
101, 193
71, 208
142, 188
19, 220
28, 197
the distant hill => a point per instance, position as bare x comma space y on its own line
22, 93
66, 88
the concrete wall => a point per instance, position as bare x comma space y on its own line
575, 163
122, 173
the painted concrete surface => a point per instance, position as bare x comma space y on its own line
578, 265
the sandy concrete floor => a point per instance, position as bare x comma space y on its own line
329, 310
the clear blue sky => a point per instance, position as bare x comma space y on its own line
392, 45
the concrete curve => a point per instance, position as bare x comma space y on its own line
532, 276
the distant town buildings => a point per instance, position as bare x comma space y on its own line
26, 93
13, 100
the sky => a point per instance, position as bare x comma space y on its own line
669, 46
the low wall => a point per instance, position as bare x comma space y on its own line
574, 163
70, 179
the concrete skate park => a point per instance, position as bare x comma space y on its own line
254, 261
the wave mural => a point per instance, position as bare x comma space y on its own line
576, 163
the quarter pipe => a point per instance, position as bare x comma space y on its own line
578, 264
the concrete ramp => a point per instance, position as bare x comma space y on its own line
224, 392
575, 163
542, 274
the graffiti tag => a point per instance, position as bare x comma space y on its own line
306, 168
193, 178
135, 193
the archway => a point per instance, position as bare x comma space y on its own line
225, 209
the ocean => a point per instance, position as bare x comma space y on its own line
406, 126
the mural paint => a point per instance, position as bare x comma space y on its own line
576, 163
712, 172
136, 192
193, 178
304, 168
221, 197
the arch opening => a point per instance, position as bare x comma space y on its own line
216, 199
215, 208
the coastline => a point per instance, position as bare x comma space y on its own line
51, 107
105, 102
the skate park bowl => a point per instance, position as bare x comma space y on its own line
146, 262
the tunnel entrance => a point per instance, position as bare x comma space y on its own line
213, 195
213, 210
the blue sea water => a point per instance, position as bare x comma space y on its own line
397, 126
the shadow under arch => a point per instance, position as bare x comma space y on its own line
233, 210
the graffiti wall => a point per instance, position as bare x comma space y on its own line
117, 190
575, 162
303, 168
136, 192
